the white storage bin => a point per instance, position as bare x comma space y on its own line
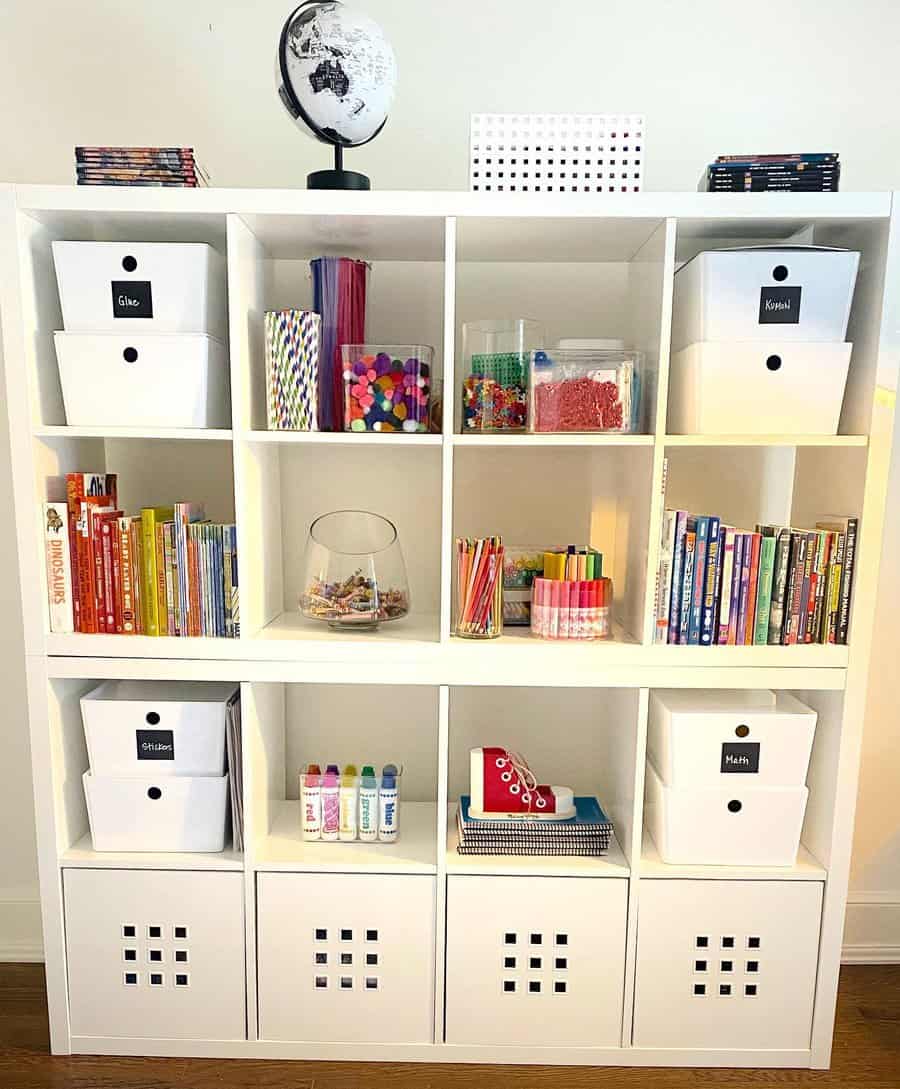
146, 287
535, 962
732, 740
178, 813
761, 388
157, 728
155, 954
144, 379
727, 965
346, 957
800, 293
735, 825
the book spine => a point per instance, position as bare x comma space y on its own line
767, 546
235, 588
149, 595
850, 546
752, 589
737, 569
710, 584
85, 572
698, 589
226, 581
124, 585
168, 556
808, 567
823, 556
779, 586
96, 544
744, 592
664, 577
72, 512
58, 558
795, 588
834, 587
136, 537
687, 586
109, 533
220, 578
677, 577
727, 571
193, 561
159, 534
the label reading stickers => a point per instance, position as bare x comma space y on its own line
155, 744
740, 758
779, 305
134, 299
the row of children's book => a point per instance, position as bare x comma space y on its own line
776, 585
165, 571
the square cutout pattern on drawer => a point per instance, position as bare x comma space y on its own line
146, 942
351, 949
722, 976
534, 973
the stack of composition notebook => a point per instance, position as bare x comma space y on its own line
587, 833
800, 172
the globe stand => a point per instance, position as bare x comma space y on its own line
337, 178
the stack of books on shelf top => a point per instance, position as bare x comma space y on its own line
587, 833
801, 172
153, 166
774, 585
166, 571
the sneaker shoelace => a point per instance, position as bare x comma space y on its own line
525, 778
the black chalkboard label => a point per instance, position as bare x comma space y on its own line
779, 305
155, 744
132, 299
740, 758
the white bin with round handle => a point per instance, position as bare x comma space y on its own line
141, 287
156, 728
770, 387
729, 739
724, 826
144, 379
178, 813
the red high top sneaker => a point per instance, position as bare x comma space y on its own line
503, 786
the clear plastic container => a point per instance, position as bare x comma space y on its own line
390, 387
585, 389
354, 575
496, 357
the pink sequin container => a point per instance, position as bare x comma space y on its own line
585, 389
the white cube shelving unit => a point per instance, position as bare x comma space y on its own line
559, 960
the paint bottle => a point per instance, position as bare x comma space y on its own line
330, 804
348, 804
368, 805
388, 805
311, 802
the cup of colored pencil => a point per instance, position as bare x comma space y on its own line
479, 587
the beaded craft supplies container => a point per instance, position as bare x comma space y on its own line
496, 358
389, 387
354, 574
585, 389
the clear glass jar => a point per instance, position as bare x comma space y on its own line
354, 575
390, 387
479, 587
496, 356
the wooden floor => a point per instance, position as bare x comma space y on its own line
866, 1054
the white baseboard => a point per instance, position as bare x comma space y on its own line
20, 931
872, 928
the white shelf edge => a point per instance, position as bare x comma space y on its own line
476, 439
807, 868
190, 434
765, 440
340, 438
83, 856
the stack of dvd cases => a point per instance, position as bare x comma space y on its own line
803, 172
155, 166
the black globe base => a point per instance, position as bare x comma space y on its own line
337, 179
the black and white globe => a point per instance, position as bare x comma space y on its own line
337, 72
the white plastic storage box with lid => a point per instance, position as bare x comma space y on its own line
787, 293
757, 341
157, 753
179, 726
726, 777
144, 334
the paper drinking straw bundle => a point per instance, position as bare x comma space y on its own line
292, 369
339, 295
479, 575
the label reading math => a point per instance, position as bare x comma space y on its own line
740, 758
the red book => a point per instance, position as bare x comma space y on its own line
104, 590
87, 560
194, 581
753, 586
79, 487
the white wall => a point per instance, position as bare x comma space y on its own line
712, 78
